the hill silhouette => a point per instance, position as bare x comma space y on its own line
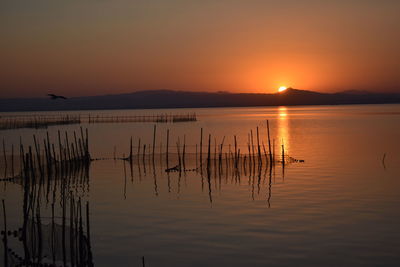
186, 99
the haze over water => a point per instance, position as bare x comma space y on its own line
338, 208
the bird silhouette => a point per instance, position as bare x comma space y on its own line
53, 96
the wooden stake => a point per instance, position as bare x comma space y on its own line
12, 160
5, 240
48, 146
179, 155
283, 154
87, 145
236, 152
252, 146
167, 152
201, 148
4, 152
144, 152
184, 152
138, 150
258, 147
154, 140
208, 152
67, 144
269, 143
130, 151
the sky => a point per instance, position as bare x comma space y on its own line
78, 48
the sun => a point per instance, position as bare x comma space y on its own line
282, 88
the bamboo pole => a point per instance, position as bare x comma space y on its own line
221, 152
48, 146
201, 148
273, 150
196, 159
5, 240
154, 140
138, 151
161, 145
258, 147
76, 146
235, 151
184, 152
12, 160
59, 146
269, 143
167, 148
249, 149
87, 145
283, 154
73, 152
81, 255
81, 148
130, 151
179, 155
208, 153
5, 156
89, 246
84, 150
252, 147
46, 154
64, 225
71, 232
67, 145
37, 149
265, 153
22, 154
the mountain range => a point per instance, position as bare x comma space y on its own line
187, 99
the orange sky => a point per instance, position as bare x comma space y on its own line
103, 47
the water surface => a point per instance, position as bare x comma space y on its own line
338, 208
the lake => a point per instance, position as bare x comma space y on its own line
337, 204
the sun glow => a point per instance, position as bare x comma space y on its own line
282, 88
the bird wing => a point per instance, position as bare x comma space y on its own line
53, 96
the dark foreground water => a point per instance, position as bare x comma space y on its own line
338, 208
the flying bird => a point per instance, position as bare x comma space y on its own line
52, 96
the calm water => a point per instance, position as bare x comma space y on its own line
338, 208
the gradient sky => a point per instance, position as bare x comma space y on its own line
103, 47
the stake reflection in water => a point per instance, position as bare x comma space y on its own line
49, 234
55, 233
222, 170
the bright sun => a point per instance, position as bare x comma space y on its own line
282, 88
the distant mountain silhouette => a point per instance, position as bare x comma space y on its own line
185, 99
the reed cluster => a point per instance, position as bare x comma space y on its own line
53, 172
56, 178
46, 158
256, 154
59, 241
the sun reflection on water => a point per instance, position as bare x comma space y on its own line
283, 128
